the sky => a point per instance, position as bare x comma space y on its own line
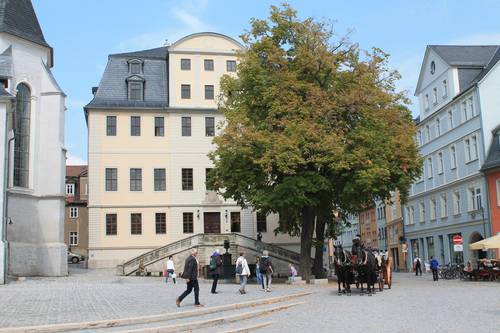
83, 33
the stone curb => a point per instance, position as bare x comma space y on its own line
212, 322
147, 319
248, 329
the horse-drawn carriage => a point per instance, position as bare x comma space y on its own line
361, 266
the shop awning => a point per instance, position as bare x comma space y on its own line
486, 244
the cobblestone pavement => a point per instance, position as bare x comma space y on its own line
414, 304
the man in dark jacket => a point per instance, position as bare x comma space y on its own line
434, 267
190, 273
215, 268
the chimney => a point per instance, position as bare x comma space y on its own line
94, 90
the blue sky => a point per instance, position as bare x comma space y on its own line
84, 33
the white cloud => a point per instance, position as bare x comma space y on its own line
74, 160
184, 19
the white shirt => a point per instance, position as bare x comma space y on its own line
170, 264
244, 264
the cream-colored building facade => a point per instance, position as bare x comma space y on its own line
150, 127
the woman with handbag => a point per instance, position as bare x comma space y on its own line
243, 271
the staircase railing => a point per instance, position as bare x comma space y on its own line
203, 240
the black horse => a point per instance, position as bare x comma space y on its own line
343, 270
365, 265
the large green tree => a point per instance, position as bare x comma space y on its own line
313, 125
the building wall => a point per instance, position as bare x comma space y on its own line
368, 227
36, 234
4, 105
493, 179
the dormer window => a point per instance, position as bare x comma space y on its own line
135, 88
135, 66
433, 67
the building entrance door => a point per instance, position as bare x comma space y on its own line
211, 223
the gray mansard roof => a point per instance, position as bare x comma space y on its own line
113, 92
472, 61
493, 159
18, 18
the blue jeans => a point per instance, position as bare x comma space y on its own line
243, 282
259, 277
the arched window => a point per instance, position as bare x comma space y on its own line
22, 136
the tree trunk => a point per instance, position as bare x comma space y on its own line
306, 242
320, 242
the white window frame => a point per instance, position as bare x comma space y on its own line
467, 149
427, 133
498, 192
438, 127
445, 89
433, 208
73, 212
474, 198
70, 190
450, 119
456, 203
421, 207
453, 157
440, 163
471, 107
434, 95
464, 110
73, 238
443, 201
430, 170
475, 150
426, 101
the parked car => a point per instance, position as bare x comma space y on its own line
75, 258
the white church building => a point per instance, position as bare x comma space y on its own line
32, 153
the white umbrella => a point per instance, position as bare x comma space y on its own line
486, 244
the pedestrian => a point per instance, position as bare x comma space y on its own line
417, 265
292, 272
258, 275
190, 273
434, 268
243, 271
170, 270
266, 269
215, 268
259, 236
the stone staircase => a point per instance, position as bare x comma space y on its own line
206, 243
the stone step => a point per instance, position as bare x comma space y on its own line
318, 281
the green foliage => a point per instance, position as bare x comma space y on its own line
311, 121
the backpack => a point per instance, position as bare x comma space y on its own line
213, 263
265, 265
239, 269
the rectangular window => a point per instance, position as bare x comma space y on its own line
433, 209
471, 107
187, 223
135, 91
159, 126
73, 238
456, 203
235, 222
161, 223
111, 225
440, 163
187, 179
475, 201
186, 126
136, 224
426, 102
429, 168
475, 152
185, 64
135, 68
111, 179
450, 119
231, 65
464, 110
444, 205
185, 91
422, 212
209, 64
453, 157
135, 179
70, 190
160, 180
427, 133
261, 222
135, 126
207, 177
434, 95
73, 212
468, 152
438, 127
209, 92
498, 192
110, 125
209, 126
445, 88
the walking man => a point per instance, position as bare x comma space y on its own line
266, 269
434, 268
417, 263
216, 269
243, 271
190, 273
